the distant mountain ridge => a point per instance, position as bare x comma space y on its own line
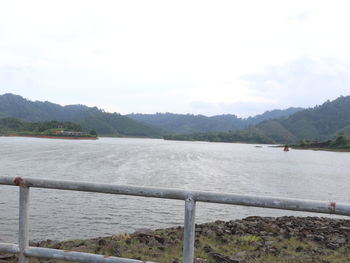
189, 123
90, 118
114, 124
319, 123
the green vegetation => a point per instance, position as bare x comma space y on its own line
189, 123
89, 118
48, 128
320, 123
254, 240
288, 126
340, 143
250, 135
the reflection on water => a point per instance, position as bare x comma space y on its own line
223, 167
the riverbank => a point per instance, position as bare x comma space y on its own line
321, 149
313, 148
250, 240
340, 144
52, 137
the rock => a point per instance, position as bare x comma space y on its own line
152, 242
333, 246
345, 228
273, 250
200, 260
56, 245
115, 252
160, 239
319, 238
143, 231
241, 254
340, 241
268, 243
299, 249
220, 258
6, 256
102, 242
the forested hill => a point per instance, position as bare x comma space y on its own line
189, 123
278, 126
318, 123
273, 114
90, 118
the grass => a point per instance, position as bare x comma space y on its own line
211, 246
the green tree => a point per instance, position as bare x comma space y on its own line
93, 132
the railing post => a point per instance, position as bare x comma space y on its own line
189, 230
23, 240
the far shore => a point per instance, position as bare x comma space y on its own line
51, 137
321, 149
313, 149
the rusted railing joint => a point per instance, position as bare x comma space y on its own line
332, 207
19, 181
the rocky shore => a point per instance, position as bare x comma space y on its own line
253, 239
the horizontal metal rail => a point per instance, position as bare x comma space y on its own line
9, 248
40, 252
198, 196
190, 198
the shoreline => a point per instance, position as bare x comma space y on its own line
321, 149
50, 137
313, 149
249, 240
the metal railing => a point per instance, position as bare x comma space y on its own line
190, 197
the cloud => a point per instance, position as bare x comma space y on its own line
175, 56
301, 82
302, 16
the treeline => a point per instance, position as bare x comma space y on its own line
12, 125
320, 123
341, 142
250, 135
188, 123
89, 118
289, 126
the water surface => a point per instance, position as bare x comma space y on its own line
223, 167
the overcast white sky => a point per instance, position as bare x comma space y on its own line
203, 57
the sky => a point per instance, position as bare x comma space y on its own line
199, 57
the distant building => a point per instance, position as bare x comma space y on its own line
70, 133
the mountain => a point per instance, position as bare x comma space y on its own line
189, 123
90, 118
318, 123
273, 114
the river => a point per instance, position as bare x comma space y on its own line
222, 167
